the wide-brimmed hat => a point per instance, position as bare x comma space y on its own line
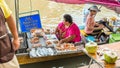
95, 8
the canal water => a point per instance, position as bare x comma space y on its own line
72, 62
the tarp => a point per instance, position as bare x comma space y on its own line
111, 4
106, 2
70, 1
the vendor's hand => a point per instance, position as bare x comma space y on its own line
101, 26
96, 24
90, 28
60, 42
16, 44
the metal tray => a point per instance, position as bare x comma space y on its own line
33, 53
41, 40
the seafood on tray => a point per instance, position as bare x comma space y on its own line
41, 52
44, 51
48, 43
50, 37
66, 47
37, 32
33, 52
34, 40
51, 42
49, 31
36, 45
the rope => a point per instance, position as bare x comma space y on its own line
17, 13
31, 6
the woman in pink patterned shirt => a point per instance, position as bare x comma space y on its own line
67, 31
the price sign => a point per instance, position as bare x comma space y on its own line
29, 22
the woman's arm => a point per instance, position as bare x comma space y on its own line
99, 26
68, 39
56, 30
57, 33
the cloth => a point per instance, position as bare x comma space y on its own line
71, 30
11, 64
90, 23
7, 12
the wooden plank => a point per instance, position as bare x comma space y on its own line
25, 59
113, 46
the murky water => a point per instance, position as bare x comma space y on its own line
54, 12
73, 62
51, 12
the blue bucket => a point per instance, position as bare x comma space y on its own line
90, 38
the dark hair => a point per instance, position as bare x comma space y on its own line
68, 18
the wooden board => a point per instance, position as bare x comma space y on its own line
25, 59
113, 46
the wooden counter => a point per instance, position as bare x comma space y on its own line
113, 46
25, 59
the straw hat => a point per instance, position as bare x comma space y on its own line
95, 8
